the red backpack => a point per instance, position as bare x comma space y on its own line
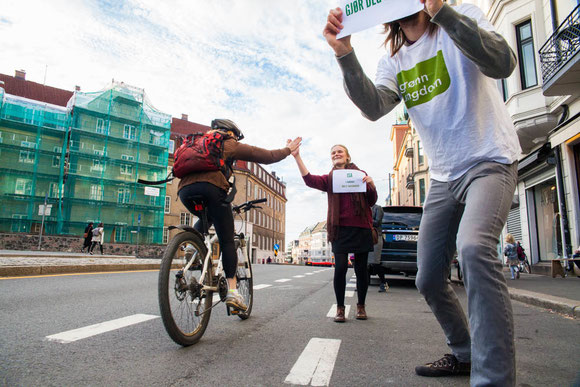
200, 153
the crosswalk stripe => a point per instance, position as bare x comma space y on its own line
315, 365
332, 311
299, 276
309, 273
349, 293
351, 285
261, 286
283, 280
97, 329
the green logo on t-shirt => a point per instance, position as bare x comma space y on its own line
424, 82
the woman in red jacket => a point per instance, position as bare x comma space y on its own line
349, 223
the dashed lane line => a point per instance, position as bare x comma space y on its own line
315, 365
97, 329
283, 280
309, 273
351, 285
299, 276
349, 293
261, 286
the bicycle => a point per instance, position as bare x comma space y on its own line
186, 297
524, 265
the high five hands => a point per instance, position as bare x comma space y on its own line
294, 145
334, 25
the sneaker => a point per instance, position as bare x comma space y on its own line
236, 302
448, 365
382, 288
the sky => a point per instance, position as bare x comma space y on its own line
263, 64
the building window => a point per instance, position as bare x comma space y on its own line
420, 155
126, 169
121, 233
23, 187
526, 55
129, 132
53, 190
101, 128
26, 157
97, 166
185, 218
504, 89
128, 157
168, 204
165, 235
421, 191
169, 169
123, 195
96, 192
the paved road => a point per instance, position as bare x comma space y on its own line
264, 350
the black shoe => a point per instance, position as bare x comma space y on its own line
448, 365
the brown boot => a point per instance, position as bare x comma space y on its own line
339, 314
361, 313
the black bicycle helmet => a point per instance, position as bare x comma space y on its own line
228, 125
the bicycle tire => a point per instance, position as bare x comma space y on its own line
177, 301
527, 267
245, 283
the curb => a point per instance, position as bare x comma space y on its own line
22, 271
557, 304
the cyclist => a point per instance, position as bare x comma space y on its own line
213, 186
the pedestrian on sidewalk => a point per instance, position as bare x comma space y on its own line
88, 237
375, 266
510, 250
349, 224
98, 238
444, 63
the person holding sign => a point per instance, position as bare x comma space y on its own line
443, 63
351, 193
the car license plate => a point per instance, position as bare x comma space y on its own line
406, 237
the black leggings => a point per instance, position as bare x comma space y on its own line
220, 215
362, 277
93, 247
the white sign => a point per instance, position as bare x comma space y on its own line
151, 191
348, 180
44, 210
359, 15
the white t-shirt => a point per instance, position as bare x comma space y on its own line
457, 110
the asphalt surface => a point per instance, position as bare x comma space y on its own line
290, 310
561, 295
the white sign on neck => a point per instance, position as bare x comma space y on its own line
348, 180
358, 15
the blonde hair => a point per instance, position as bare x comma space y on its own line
509, 238
348, 158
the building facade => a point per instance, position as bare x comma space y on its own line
82, 158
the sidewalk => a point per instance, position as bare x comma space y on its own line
562, 295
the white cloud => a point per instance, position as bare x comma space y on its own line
263, 64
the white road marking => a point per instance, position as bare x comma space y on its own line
97, 329
315, 365
262, 286
309, 273
332, 311
283, 280
351, 285
349, 293
299, 276
353, 280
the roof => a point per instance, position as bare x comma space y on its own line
181, 127
35, 91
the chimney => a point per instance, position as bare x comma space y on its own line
77, 88
184, 117
274, 173
20, 74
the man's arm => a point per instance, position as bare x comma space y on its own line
373, 101
487, 49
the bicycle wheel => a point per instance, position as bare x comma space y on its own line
245, 283
184, 305
527, 267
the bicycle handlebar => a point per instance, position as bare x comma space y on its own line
248, 205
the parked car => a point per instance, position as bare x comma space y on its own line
400, 234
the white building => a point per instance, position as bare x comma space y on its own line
320, 250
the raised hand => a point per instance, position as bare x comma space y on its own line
294, 145
432, 6
332, 28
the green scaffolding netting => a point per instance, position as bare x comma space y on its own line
84, 160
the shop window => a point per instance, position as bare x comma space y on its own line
548, 220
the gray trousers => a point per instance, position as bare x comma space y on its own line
468, 214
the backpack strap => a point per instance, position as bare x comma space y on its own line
150, 182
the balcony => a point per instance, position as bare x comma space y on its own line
409, 152
560, 58
410, 184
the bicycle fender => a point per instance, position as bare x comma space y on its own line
183, 227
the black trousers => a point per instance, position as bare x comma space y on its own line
362, 277
220, 215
